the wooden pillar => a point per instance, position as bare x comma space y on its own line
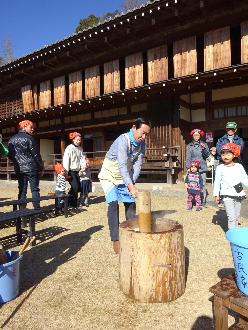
62, 139
208, 105
62, 144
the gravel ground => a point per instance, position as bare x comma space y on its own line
69, 280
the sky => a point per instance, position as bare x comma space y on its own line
32, 24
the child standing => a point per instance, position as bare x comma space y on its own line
194, 186
228, 185
85, 181
62, 186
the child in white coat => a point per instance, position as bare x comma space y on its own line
228, 185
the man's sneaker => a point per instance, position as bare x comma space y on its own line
198, 209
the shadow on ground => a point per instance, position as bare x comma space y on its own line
203, 323
43, 260
187, 253
220, 219
97, 199
41, 236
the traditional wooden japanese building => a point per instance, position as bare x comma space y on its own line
183, 63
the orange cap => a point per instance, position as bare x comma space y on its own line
58, 168
72, 135
24, 123
232, 147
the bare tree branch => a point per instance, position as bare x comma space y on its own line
7, 51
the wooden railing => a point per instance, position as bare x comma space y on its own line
157, 161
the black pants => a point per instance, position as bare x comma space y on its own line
33, 180
59, 200
75, 188
113, 217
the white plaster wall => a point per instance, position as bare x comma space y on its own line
198, 115
185, 97
229, 92
46, 148
197, 97
184, 113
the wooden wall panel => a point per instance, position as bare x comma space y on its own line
45, 94
185, 57
134, 70
157, 64
59, 90
35, 97
244, 42
111, 77
217, 49
27, 98
75, 86
92, 81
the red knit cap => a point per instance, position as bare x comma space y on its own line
72, 135
231, 147
24, 123
195, 163
197, 130
58, 168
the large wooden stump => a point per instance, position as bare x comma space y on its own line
152, 265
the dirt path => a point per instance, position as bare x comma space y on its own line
70, 279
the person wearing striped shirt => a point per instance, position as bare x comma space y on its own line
62, 185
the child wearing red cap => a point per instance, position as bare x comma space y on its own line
194, 186
228, 185
62, 185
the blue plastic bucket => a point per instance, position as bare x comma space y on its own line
10, 277
238, 238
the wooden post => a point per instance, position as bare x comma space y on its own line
220, 314
152, 265
144, 211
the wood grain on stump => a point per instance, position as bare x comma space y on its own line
152, 265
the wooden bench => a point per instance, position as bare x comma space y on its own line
16, 202
227, 297
17, 216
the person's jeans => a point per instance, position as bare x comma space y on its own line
33, 180
113, 217
233, 207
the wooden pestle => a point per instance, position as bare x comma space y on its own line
144, 209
